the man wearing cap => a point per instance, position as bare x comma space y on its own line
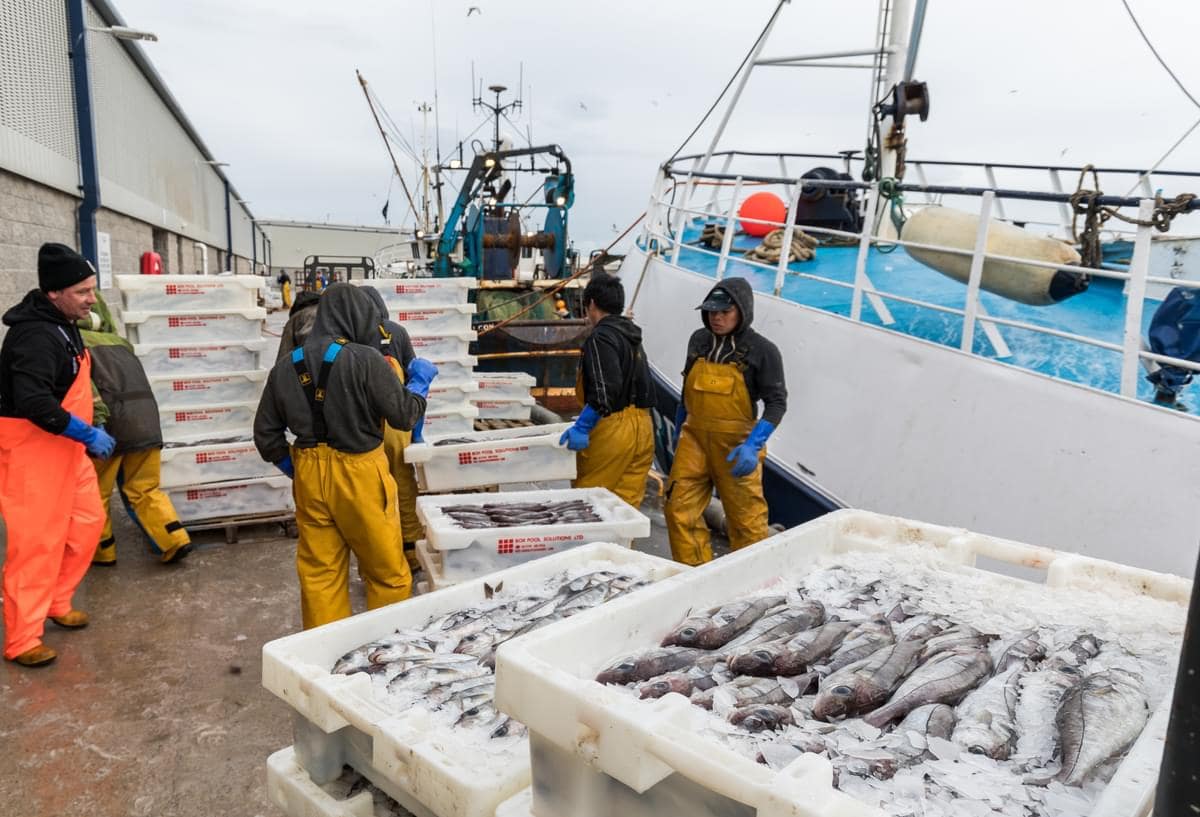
720, 439
48, 492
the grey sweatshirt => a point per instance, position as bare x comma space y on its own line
362, 390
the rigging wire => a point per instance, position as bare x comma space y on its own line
729, 84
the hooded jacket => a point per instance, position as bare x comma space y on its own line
758, 358
38, 362
299, 323
129, 409
361, 391
615, 374
396, 342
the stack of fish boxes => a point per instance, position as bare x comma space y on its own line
200, 341
437, 317
505, 396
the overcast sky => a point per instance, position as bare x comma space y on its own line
270, 86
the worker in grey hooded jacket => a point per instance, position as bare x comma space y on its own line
334, 393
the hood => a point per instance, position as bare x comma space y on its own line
304, 300
376, 298
346, 312
743, 295
35, 306
622, 324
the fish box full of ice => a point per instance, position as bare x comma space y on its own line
491, 408
480, 533
399, 293
201, 358
450, 395
857, 665
219, 462
222, 500
448, 421
402, 694
433, 320
441, 346
505, 385
176, 390
188, 293
196, 424
481, 458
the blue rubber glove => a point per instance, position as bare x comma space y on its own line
416, 432
745, 456
285, 465
576, 437
680, 416
419, 375
96, 440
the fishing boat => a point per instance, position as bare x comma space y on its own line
966, 352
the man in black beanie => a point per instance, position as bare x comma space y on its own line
48, 491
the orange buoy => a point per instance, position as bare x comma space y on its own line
765, 206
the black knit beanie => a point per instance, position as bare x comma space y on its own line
60, 267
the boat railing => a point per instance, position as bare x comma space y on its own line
1142, 182
671, 212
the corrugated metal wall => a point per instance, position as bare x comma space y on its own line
150, 169
37, 112
292, 241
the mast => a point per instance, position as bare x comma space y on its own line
425, 109
395, 166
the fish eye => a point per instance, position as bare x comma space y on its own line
754, 723
762, 655
688, 632
661, 686
626, 667
842, 691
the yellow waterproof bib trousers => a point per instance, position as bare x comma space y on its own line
346, 502
619, 455
138, 474
719, 418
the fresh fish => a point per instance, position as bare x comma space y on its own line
781, 622
865, 640
793, 656
748, 691
719, 625
864, 685
904, 746
954, 639
682, 683
1041, 693
921, 627
987, 717
1098, 719
1022, 649
762, 717
652, 663
944, 679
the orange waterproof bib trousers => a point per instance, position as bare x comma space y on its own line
52, 512
720, 416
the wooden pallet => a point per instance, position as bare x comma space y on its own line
233, 525
496, 425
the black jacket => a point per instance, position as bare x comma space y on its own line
757, 357
38, 362
615, 375
397, 343
361, 393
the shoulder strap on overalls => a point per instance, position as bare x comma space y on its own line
315, 392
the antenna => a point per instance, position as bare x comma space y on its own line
520, 86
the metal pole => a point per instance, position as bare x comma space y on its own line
785, 250
1178, 783
253, 248
894, 72
860, 264
981, 235
730, 226
712, 202
85, 130
228, 228
741, 86
681, 218
1135, 302
914, 45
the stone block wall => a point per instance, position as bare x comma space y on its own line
30, 215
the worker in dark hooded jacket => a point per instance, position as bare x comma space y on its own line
334, 393
613, 435
299, 323
721, 440
397, 348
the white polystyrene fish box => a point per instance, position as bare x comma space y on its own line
471, 552
236, 356
179, 328
482, 458
408, 755
215, 462
447, 395
505, 385
455, 370
229, 421
491, 408
434, 320
402, 292
599, 750
448, 422
449, 346
174, 391
189, 293
223, 500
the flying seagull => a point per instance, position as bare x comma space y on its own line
581, 105
473, 10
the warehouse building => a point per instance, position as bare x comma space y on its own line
97, 154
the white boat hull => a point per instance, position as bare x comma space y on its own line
902, 426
